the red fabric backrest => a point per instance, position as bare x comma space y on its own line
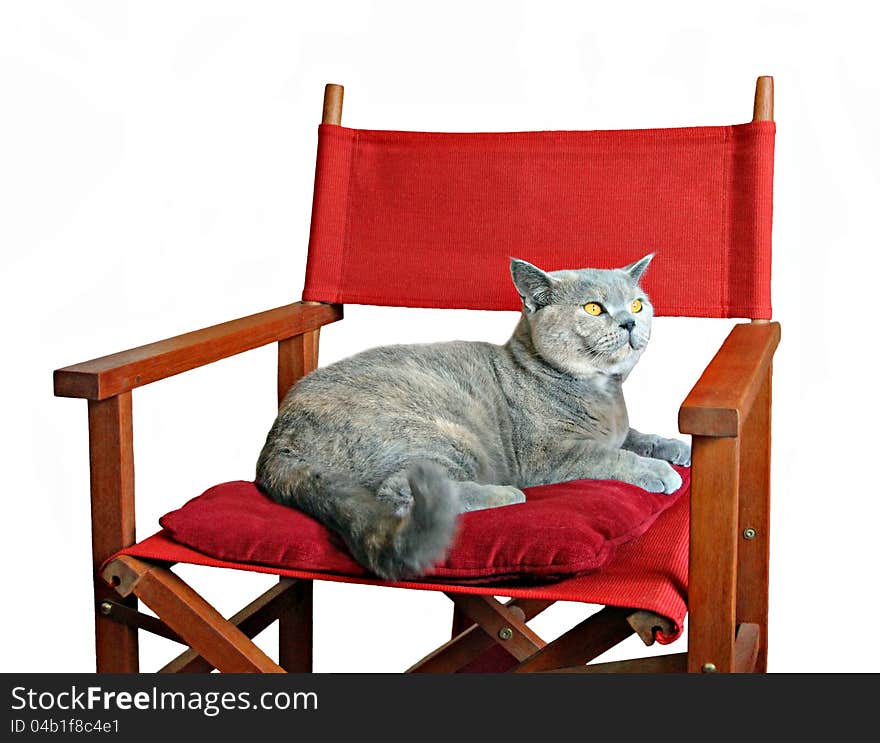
424, 219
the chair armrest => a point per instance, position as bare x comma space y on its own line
121, 372
722, 398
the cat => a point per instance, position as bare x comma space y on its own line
387, 447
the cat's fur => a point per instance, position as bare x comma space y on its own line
388, 446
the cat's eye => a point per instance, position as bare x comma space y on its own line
592, 308
636, 305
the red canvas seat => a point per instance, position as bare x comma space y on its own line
430, 220
642, 563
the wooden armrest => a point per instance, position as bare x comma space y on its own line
722, 397
112, 375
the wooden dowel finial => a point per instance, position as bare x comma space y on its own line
332, 113
763, 99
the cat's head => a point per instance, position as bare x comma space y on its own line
589, 320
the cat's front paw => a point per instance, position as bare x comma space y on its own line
504, 495
672, 450
473, 497
655, 476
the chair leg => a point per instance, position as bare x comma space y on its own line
219, 641
746, 648
295, 631
713, 554
587, 640
494, 626
753, 558
502, 622
251, 620
460, 622
297, 357
116, 645
473, 643
111, 474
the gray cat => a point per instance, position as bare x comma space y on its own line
388, 446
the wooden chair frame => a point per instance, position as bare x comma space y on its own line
727, 413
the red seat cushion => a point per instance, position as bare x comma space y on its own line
560, 530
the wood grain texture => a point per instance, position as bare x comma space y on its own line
583, 642
472, 641
753, 560
124, 614
295, 633
745, 652
646, 623
251, 620
493, 617
763, 110
721, 399
460, 622
332, 111
200, 625
297, 357
713, 552
111, 472
456, 653
121, 372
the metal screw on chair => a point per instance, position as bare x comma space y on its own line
105, 607
505, 633
709, 668
749, 533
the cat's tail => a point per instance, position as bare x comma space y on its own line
391, 546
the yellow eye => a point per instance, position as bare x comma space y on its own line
636, 305
593, 309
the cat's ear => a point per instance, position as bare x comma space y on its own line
534, 286
635, 270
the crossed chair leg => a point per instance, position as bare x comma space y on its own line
225, 644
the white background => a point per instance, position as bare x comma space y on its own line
156, 166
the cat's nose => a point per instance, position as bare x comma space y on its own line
628, 324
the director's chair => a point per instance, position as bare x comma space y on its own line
408, 219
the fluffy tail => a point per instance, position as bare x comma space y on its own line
390, 546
